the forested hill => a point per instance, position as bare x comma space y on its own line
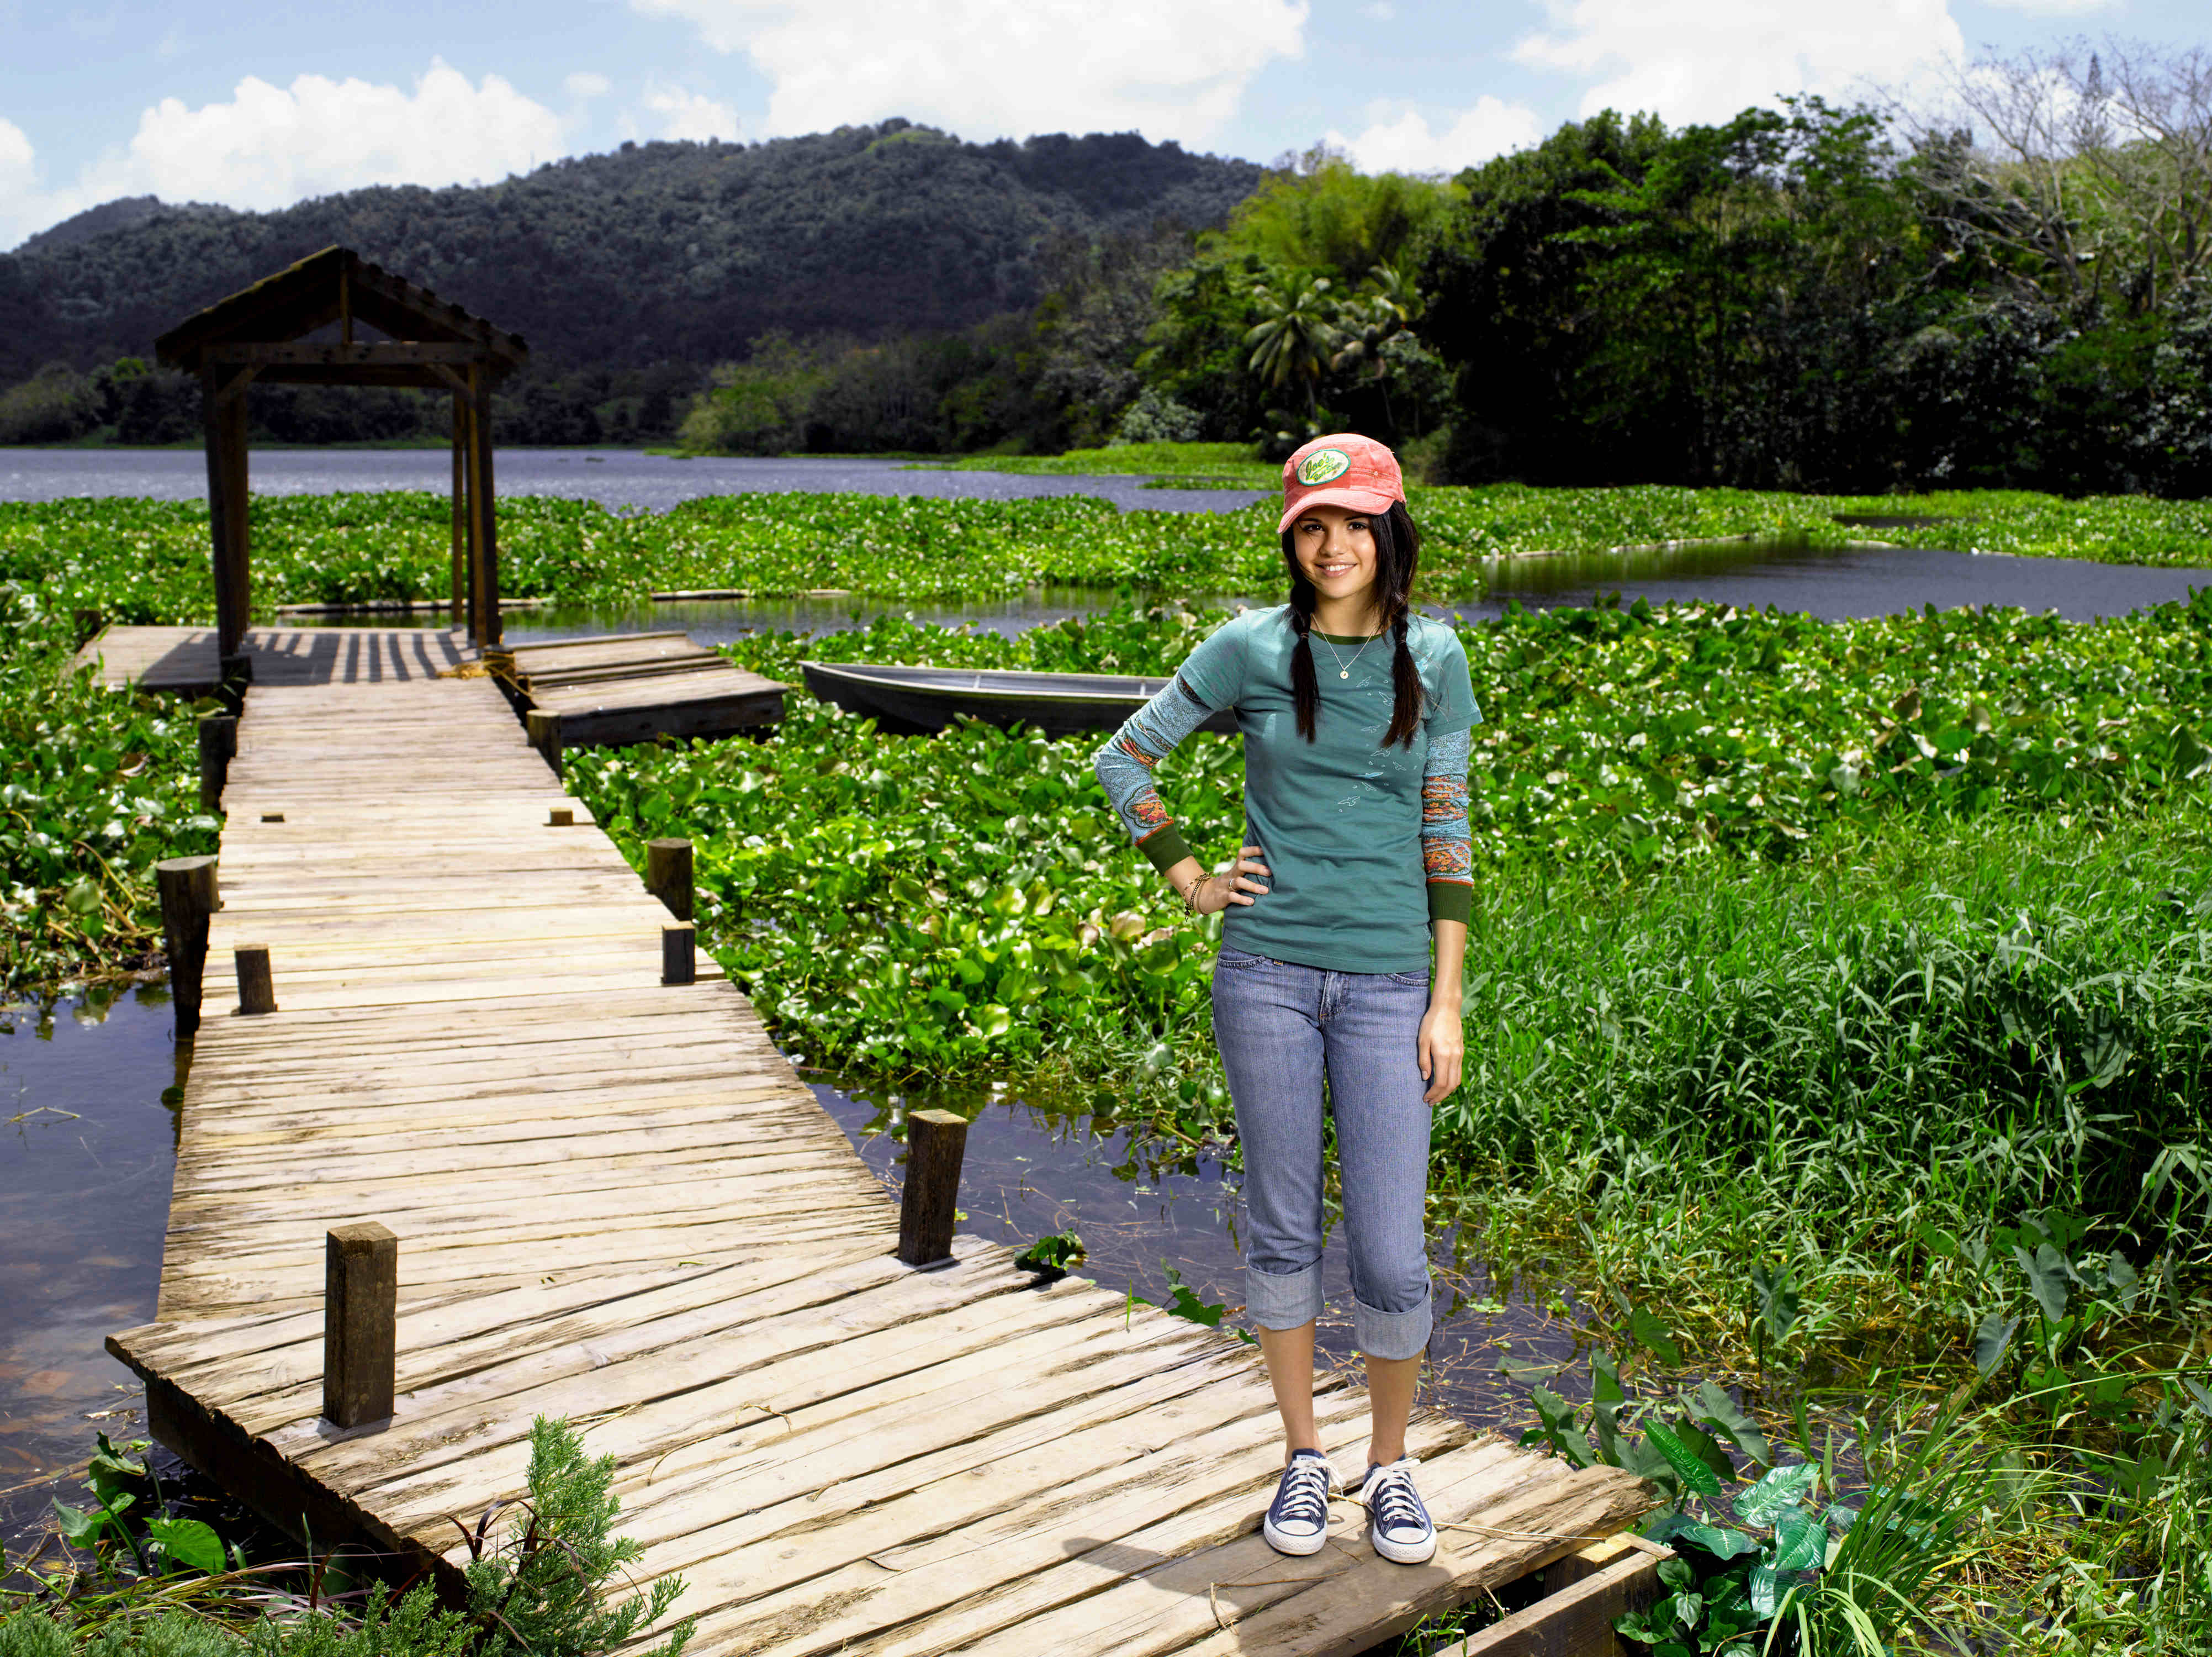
653, 253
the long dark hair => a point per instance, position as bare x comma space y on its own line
1397, 555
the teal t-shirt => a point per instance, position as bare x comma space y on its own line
1338, 818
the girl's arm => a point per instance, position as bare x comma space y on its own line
1444, 1041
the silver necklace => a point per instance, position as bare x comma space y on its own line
1343, 667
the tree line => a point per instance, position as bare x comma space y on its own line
2010, 291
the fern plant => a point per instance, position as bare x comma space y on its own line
544, 1586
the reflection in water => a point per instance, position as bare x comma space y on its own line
1833, 583
718, 621
87, 1150
1143, 1205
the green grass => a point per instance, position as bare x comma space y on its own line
1233, 460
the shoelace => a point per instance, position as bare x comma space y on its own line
1304, 1495
1392, 1500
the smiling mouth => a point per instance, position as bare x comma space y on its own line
1335, 568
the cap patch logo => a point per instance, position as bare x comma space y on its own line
1323, 466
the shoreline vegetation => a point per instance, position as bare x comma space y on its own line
1838, 1000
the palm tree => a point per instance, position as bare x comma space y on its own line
1384, 308
1295, 334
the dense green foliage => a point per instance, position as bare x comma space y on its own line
98, 788
1795, 299
136, 1579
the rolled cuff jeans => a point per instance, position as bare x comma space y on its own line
1280, 1028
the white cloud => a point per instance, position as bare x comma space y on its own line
1704, 60
986, 68
271, 146
691, 114
2054, 8
1408, 145
584, 83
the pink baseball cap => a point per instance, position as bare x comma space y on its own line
1342, 469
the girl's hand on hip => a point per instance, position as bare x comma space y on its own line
1442, 1051
1240, 884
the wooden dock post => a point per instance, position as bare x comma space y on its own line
256, 988
561, 817
668, 875
218, 747
544, 730
360, 1316
679, 961
935, 1143
188, 897
236, 672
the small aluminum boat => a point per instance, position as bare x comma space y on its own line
915, 700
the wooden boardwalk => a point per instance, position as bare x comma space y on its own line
185, 659
617, 1203
633, 686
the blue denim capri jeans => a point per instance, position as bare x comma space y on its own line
1280, 1028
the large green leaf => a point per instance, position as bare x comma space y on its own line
1717, 1409
1776, 1493
1688, 1466
2046, 1279
1801, 1544
188, 1542
1720, 1541
1992, 1340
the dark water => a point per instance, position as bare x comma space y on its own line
1835, 583
612, 477
88, 1153
87, 1150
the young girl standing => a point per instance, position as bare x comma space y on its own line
1355, 715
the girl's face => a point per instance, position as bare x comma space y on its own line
1336, 548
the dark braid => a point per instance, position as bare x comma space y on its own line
1405, 682
1397, 557
1305, 688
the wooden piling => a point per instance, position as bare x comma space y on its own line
562, 817
679, 960
360, 1315
218, 747
257, 987
189, 897
544, 730
935, 1143
668, 875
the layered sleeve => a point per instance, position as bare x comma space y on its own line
1447, 848
1207, 681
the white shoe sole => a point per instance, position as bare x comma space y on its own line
1403, 1553
1297, 1546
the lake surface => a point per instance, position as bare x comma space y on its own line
1783, 570
612, 477
87, 1155
1833, 583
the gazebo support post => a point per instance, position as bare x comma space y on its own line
222, 407
481, 507
461, 548
230, 629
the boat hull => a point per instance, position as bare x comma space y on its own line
918, 701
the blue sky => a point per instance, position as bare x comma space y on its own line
257, 105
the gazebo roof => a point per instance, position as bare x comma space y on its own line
264, 327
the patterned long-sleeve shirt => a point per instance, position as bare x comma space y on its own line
1365, 844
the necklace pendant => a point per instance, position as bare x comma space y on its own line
1345, 673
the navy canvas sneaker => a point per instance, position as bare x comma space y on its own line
1397, 1524
1297, 1519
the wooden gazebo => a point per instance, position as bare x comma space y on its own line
263, 332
